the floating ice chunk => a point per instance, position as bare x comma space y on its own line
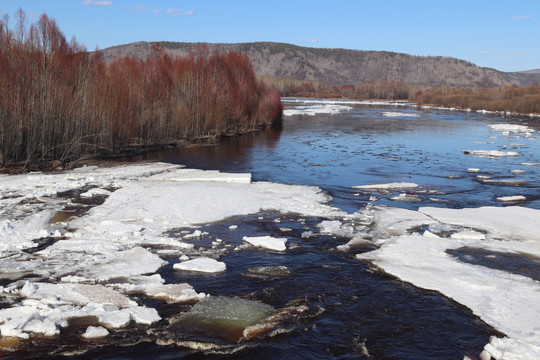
405, 197
225, 317
509, 182
114, 319
94, 332
513, 198
202, 264
267, 242
144, 315
506, 129
489, 153
335, 227
172, 292
398, 114
483, 177
388, 186
95, 191
195, 234
517, 171
473, 170
40, 326
233, 227
530, 164
281, 271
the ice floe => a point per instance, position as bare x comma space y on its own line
267, 242
489, 153
507, 129
202, 264
387, 186
512, 198
406, 197
91, 265
312, 110
93, 332
48, 307
507, 301
398, 114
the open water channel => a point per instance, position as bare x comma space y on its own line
354, 311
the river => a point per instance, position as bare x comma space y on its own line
355, 311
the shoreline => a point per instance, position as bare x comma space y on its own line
113, 159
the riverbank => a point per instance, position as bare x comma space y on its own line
108, 159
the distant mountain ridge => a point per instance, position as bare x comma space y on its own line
343, 67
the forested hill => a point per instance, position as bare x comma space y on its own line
344, 67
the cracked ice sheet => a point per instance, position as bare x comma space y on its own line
150, 199
508, 302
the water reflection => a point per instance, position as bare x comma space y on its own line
363, 146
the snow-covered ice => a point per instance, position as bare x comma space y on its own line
95, 263
489, 153
514, 129
406, 197
267, 242
507, 301
202, 264
387, 186
512, 198
398, 114
312, 110
93, 332
92, 264
312, 107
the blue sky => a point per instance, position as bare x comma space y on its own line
504, 35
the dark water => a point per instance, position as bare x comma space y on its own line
355, 311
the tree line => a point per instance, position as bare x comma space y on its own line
510, 98
60, 102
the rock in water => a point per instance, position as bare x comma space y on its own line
223, 318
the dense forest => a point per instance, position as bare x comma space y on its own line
59, 102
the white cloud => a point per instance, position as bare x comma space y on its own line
156, 11
97, 2
486, 52
139, 7
522, 17
313, 40
176, 12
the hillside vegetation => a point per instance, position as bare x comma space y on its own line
59, 102
338, 67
